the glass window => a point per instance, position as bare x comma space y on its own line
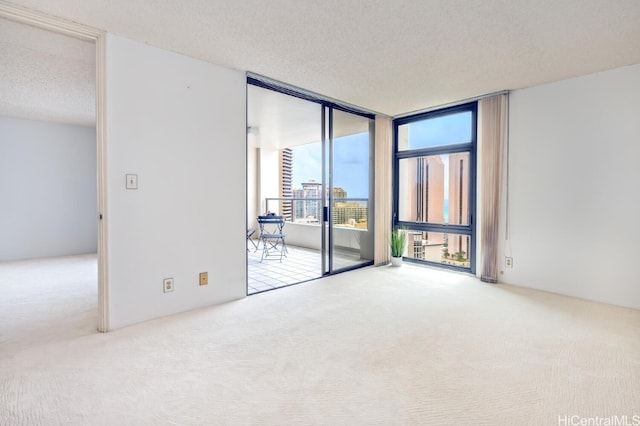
436, 247
434, 189
350, 181
441, 130
435, 185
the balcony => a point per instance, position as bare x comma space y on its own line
352, 242
301, 264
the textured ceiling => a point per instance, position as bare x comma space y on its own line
389, 56
46, 76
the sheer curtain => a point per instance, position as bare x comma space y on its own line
383, 188
493, 118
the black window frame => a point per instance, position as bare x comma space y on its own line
471, 148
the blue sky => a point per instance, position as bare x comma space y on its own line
351, 153
351, 164
438, 131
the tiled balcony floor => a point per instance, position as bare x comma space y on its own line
300, 264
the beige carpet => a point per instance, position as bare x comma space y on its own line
407, 346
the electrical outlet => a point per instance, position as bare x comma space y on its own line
508, 262
167, 284
204, 278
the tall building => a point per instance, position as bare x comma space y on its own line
345, 212
416, 243
339, 193
312, 189
426, 202
286, 173
349, 213
308, 206
459, 201
427, 177
298, 205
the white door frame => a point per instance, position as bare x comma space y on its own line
82, 32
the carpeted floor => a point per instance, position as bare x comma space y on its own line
388, 346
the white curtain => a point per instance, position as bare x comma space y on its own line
383, 191
493, 116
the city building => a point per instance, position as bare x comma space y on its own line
286, 191
339, 193
312, 193
344, 211
349, 213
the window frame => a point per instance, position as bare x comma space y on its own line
471, 148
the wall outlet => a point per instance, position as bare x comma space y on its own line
167, 284
204, 278
508, 262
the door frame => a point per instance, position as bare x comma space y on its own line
326, 118
329, 229
82, 32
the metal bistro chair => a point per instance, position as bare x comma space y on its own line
250, 233
272, 236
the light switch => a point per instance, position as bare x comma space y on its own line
132, 181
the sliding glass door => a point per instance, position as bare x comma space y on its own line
310, 161
349, 201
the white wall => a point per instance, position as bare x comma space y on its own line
253, 184
310, 236
47, 189
180, 125
574, 199
269, 179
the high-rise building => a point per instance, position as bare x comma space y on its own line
286, 173
459, 201
339, 193
298, 205
416, 242
349, 213
427, 176
312, 189
308, 206
426, 203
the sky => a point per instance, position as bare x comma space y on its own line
351, 153
350, 164
438, 131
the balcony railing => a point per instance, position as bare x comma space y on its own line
304, 216
345, 212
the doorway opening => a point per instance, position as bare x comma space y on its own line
54, 262
310, 162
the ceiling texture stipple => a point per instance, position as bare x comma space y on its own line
388, 56
46, 76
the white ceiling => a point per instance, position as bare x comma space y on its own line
276, 120
389, 56
46, 76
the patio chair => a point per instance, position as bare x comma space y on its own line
272, 236
250, 233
